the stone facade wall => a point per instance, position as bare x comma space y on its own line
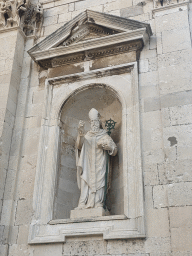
165, 87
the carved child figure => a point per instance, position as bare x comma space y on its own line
9, 17
91, 158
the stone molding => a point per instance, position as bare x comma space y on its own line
130, 225
52, 1
116, 70
12, 29
87, 29
102, 218
158, 10
126, 32
101, 47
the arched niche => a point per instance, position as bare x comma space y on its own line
121, 83
74, 109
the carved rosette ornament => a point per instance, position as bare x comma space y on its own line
21, 13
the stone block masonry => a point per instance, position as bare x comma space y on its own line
165, 103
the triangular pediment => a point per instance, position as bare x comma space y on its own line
89, 30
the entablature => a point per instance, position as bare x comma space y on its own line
88, 36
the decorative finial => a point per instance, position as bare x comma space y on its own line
110, 124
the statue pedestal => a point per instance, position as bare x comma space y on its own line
88, 213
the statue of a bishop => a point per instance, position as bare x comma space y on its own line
91, 160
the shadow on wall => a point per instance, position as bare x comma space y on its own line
76, 108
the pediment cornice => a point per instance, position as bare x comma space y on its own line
73, 43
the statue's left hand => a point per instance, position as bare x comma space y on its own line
105, 146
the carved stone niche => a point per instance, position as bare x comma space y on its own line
76, 108
96, 56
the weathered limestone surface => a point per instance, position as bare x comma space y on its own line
165, 88
75, 214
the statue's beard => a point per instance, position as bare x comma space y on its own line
95, 128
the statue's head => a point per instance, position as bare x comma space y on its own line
94, 117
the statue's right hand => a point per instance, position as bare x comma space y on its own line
81, 123
81, 127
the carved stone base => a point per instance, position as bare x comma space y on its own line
88, 213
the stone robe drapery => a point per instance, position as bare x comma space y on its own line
91, 162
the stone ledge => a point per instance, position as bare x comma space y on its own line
88, 213
115, 70
168, 7
102, 218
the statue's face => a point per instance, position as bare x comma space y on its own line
95, 125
